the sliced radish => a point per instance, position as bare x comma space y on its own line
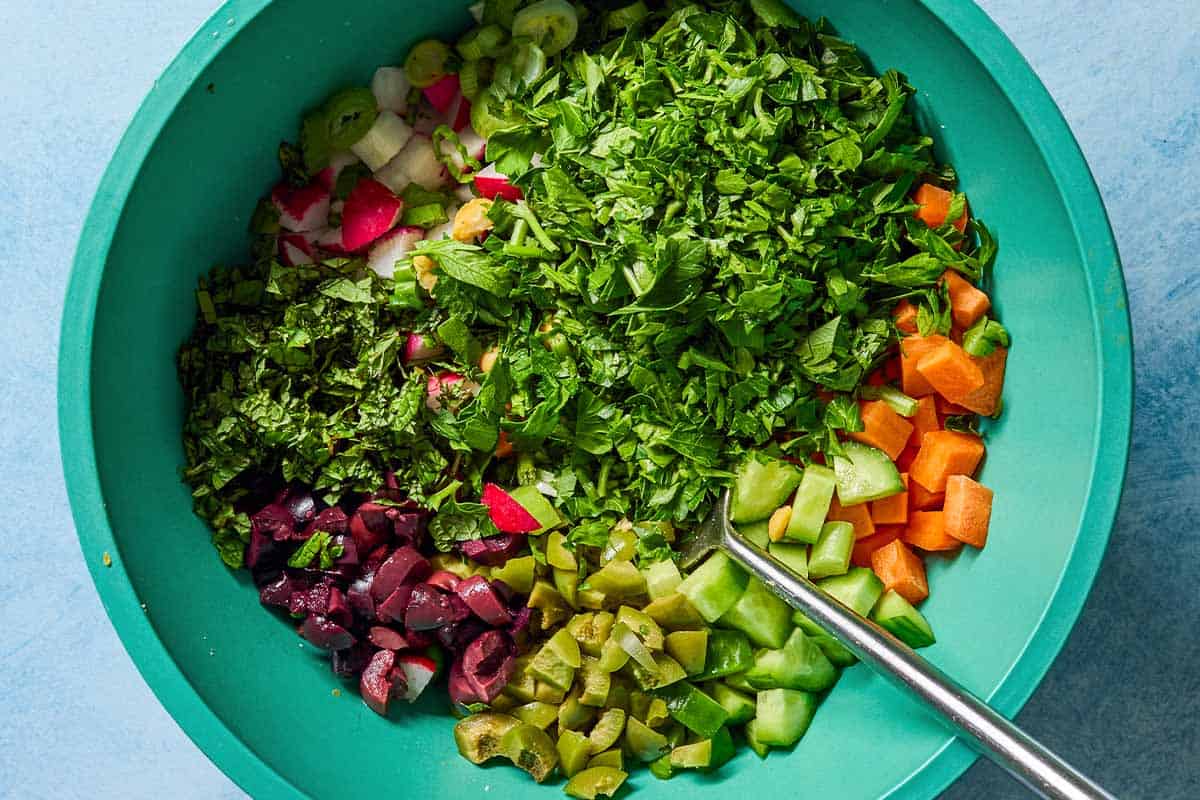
295, 250
331, 242
391, 89
304, 208
418, 673
421, 347
508, 515
491, 183
427, 120
337, 162
420, 164
464, 193
383, 141
371, 211
441, 383
393, 246
458, 115
441, 94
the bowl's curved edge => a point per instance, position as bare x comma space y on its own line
88, 508
1111, 330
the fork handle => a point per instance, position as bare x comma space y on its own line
990, 733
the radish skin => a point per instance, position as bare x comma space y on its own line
391, 89
491, 183
371, 211
421, 347
337, 162
392, 247
295, 250
419, 162
301, 209
383, 141
439, 384
442, 94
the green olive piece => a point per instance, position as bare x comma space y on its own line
595, 781
531, 749
480, 736
608, 730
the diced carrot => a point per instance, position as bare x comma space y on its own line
892, 510
924, 421
986, 399
947, 409
883, 428
504, 447
967, 303
912, 348
927, 530
945, 453
921, 499
859, 516
950, 371
902, 570
905, 315
860, 556
968, 510
907, 456
934, 203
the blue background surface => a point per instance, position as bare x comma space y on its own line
1123, 699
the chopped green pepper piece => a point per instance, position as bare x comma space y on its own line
644, 743
691, 707
728, 652
688, 648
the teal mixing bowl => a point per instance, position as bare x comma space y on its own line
261, 705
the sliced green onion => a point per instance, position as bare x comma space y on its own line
427, 63
552, 24
349, 115
406, 292
901, 403
461, 172
485, 42
524, 251
627, 16
474, 77
982, 338
500, 12
490, 114
425, 216
519, 69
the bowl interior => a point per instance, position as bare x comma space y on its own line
187, 207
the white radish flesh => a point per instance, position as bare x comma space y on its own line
295, 250
391, 89
383, 141
337, 162
301, 209
392, 247
419, 162
444, 230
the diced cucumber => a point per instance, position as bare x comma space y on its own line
858, 589
834, 650
792, 554
762, 616
865, 473
714, 586
755, 532
662, 578
831, 554
811, 504
674, 612
756, 744
761, 487
897, 615
738, 680
783, 716
799, 664
738, 705
728, 653
693, 709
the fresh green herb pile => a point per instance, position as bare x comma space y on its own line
715, 233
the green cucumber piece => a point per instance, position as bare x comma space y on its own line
728, 652
897, 615
834, 650
662, 578
674, 612
738, 681
714, 586
831, 554
761, 487
756, 744
705, 754
858, 589
783, 716
799, 664
693, 709
793, 554
761, 615
738, 705
865, 473
756, 532
811, 504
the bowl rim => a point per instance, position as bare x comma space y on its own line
1111, 331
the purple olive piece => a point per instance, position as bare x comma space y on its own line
444, 580
488, 663
395, 606
405, 565
462, 692
370, 526
325, 633
430, 608
492, 551
477, 593
457, 635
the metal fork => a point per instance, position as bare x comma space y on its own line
977, 723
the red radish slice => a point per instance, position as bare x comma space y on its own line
491, 184
420, 164
393, 246
477, 593
439, 384
304, 208
391, 89
383, 141
418, 673
458, 114
421, 347
331, 242
295, 250
441, 95
508, 515
371, 211
375, 685
337, 162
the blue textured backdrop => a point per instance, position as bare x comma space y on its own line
1122, 700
